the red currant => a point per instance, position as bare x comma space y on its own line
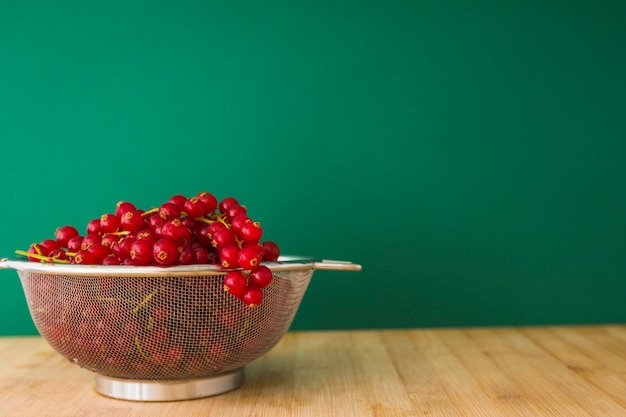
214, 227
121, 248
93, 226
90, 240
50, 244
158, 356
122, 207
202, 255
248, 258
235, 211
190, 223
252, 296
165, 251
261, 277
239, 221
235, 283
258, 247
175, 230
58, 255
223, 237
169, 211
272, 251
179, 200
251, 232
194, 207
202, 235
132, 221
109, 223
209, 201
75, 243
141, 252
109, 240
99, 252
153, 220
187, 256
83, 257
64, 234
158, 229
111, 260
147, 234
174, 354
228, 256
227, 203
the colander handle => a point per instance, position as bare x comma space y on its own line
4, 263
331, 265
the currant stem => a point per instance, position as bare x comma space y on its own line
148, 212
205, 219
145, 301
31, 255
139, 349
244, 328
41, 257
222, 219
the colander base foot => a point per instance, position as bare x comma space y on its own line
169, 390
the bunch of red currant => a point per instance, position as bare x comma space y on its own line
181, 231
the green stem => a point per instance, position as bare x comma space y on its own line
145, 301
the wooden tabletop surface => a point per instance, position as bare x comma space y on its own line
526, 371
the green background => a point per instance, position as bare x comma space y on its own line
469, 155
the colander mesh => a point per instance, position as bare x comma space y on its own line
159, 328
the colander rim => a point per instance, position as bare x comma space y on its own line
284, 263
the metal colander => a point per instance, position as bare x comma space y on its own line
158, 334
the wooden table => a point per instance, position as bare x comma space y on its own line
528, 371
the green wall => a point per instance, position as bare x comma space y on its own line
470, 155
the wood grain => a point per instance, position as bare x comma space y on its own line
526, 371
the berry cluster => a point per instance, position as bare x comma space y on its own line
181, 231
